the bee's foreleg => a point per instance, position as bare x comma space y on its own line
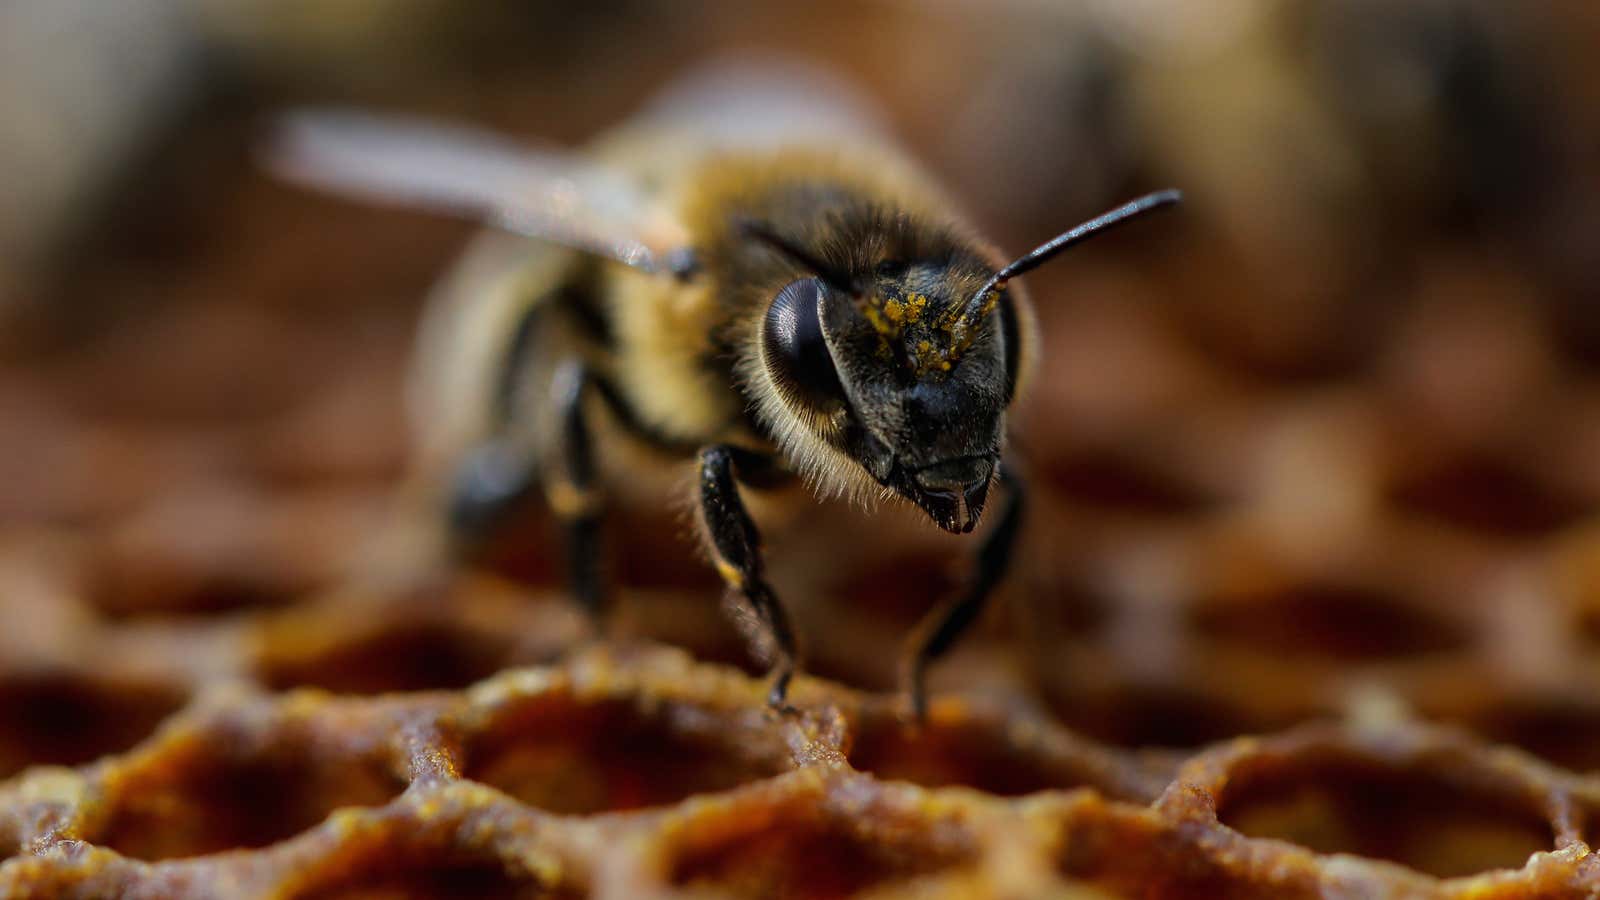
735, 547
939, 630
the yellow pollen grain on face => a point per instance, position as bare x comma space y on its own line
877, 320
895, 311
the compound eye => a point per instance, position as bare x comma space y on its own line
796, 354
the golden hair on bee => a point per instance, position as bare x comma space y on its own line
752, 280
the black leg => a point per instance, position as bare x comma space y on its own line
735, 547
938, 631
572, 490
498, 477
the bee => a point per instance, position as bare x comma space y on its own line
754, 281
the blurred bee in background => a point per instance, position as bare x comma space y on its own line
751, 277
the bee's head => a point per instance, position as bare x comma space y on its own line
874, 369
870, 372
902, 366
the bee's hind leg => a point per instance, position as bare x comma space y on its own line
735, 547
940, 629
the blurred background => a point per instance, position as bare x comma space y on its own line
1325, 442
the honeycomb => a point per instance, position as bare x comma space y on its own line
1308, 603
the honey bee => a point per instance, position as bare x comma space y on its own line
753, 279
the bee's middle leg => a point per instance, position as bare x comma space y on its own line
735, 546
572, 489
940, 629
502, 474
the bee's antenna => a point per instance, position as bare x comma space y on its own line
764, 233
979, 305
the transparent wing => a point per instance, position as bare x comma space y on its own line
764, 102
465, 172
